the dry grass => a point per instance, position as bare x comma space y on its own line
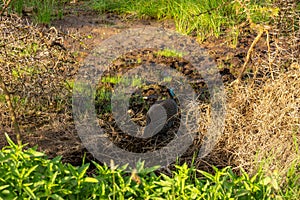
262, 122
262, 112
35, 67
262, 125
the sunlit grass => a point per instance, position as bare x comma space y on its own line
203, 18
195, 17
169, 53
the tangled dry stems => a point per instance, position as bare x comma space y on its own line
263, 122
262, 126
34, 68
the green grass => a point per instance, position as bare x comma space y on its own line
190, 16
136, 81
29, 174
169, 53
41, 11
197, 17
104, 92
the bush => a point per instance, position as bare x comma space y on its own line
28, 174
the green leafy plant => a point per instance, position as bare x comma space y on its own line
29, 174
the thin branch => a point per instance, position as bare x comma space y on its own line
269, 54
6, 4
11, 110
257, 38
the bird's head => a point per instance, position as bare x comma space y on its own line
171, 93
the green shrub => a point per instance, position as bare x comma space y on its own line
28, 174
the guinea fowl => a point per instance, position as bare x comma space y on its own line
161, 116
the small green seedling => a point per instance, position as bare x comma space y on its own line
169, 53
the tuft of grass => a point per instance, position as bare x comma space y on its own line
111, 79
169, 53
136, 81
40, 11
104, 91
292, 182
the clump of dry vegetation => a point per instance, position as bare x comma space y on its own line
36, 72
263, 107
262, 122
35, 67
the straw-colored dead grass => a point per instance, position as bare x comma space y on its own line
262, 122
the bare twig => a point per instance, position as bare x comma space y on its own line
257, 38
11, 110
6, 4
269, 54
